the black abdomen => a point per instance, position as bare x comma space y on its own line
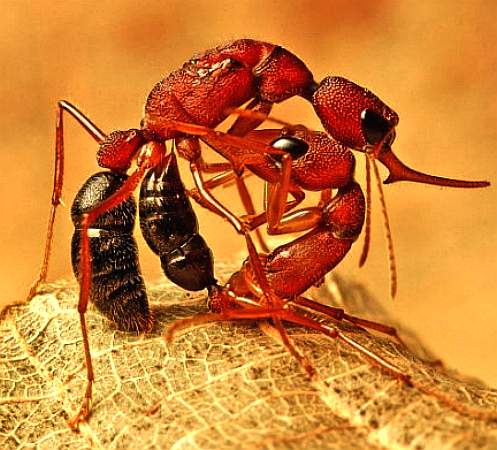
169, 226
117, 288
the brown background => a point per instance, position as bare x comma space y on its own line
433, 62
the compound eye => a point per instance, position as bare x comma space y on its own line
375, 127
295, 147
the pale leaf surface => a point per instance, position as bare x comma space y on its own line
229, 385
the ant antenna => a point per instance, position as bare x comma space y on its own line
367, 226
388, 233
372, 153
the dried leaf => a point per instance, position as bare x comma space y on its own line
225, 385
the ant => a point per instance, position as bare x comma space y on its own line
354, 118
185, 107
314, 162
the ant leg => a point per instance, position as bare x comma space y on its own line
339, 314
258, 111
286, 315
299, 220
58, 179
214, 167
225, 178
250, 117
278, 194
293, 349
229, 315
250, 210
222, 179
85, 271
277, 205
218, 180
208, 201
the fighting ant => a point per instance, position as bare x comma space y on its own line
186, 106
316, 162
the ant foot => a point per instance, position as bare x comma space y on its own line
82, 415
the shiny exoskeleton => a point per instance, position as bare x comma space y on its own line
170, 228
117, 288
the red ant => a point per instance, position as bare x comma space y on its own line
314, 162
184, 106
354, 118
187, 105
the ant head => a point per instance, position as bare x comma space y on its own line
117, 151
358, 119
351, 114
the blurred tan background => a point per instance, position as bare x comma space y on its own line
435, 63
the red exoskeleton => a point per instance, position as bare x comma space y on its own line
187, 105
184, 107
314, 162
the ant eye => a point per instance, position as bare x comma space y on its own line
374, 127
295, 147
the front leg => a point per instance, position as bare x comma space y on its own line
99, 136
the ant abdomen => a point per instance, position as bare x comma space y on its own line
117, 287
170, 228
